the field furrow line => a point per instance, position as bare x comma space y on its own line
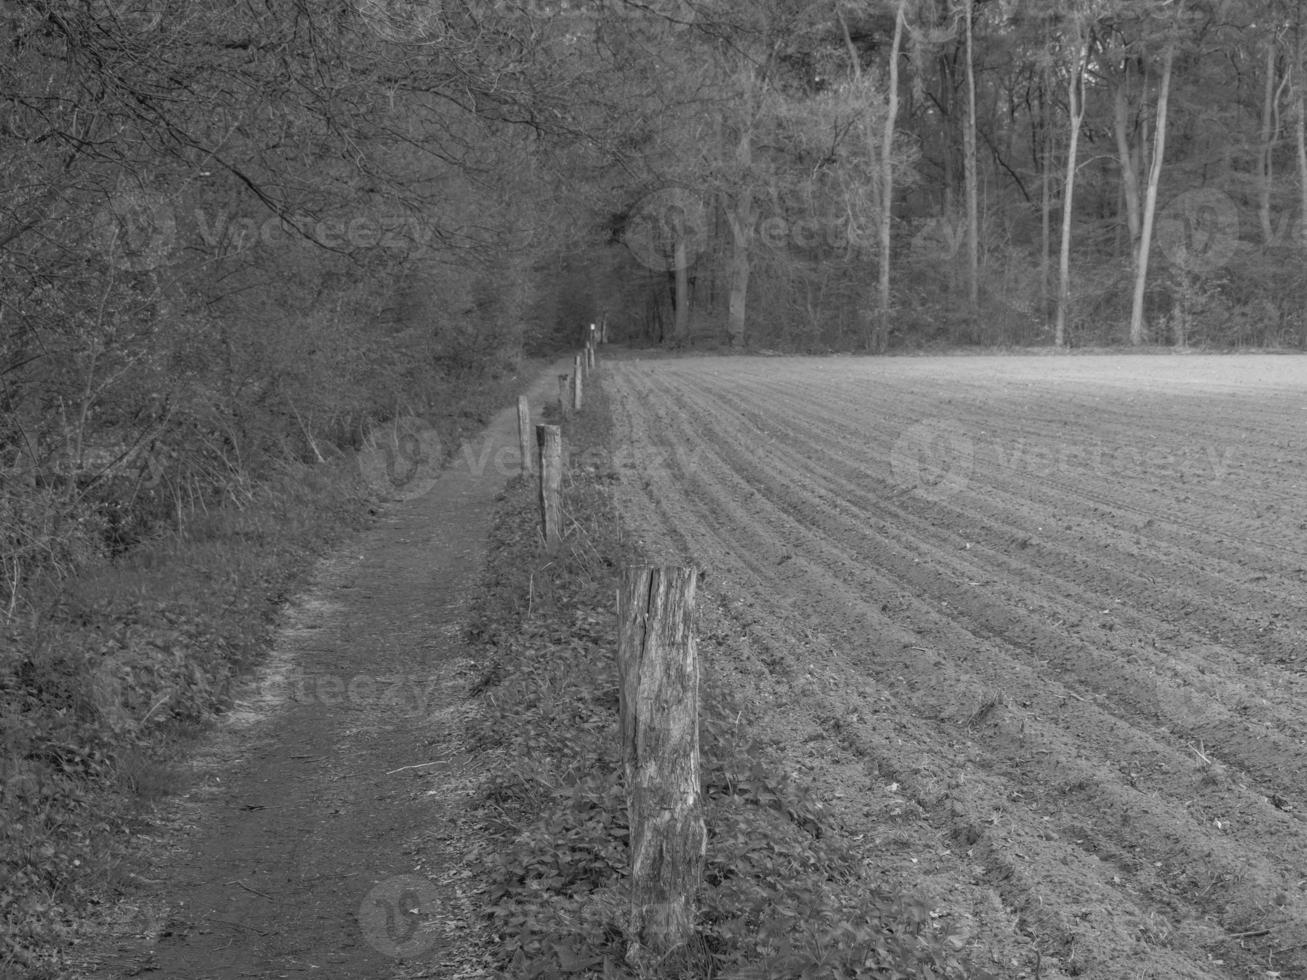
743, 502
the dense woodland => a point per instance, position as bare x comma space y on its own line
236, 233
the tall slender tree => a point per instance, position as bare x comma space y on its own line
1078, 40
969, 162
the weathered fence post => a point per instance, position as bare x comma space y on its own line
576, 383
550, 440
524, 434
658, 669
564, 394
591, 356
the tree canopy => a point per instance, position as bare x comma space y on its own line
233, 233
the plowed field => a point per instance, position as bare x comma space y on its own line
1035, 627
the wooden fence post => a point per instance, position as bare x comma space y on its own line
524, 434
658, 672
576, 383
550, 440
564, 394
591, 356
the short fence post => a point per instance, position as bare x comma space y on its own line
564, 394
550, 440
524, 434
658, 671
576, 383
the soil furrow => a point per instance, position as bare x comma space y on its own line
1046, 576
1129, 820
1172, 760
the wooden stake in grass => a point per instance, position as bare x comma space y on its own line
576, 383
591, 356
659, 678
524, 434
550, 440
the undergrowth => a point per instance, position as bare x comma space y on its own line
111, 671
784, 894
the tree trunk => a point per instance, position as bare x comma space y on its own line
1301, 134
1076, 108
880, 338
658, 671
1268, 143
1125, 156
969, 171
737, 298
1150, 200
681, 323
741, 219
1046, 204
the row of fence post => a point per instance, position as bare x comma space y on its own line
547, 457
658, 672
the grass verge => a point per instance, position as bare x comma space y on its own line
108, 676
784, 893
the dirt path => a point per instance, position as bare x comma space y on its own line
1036, 627
327, 834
